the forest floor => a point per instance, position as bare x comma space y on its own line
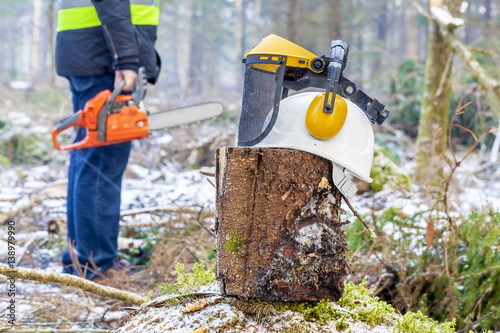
167, 216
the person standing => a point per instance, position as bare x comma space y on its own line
99, 43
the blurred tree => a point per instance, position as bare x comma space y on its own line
183, 41
36, 41
334, 19
240, 37
292, 22
51, 22
411, 46
434, 114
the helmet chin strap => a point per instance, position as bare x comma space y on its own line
342, 182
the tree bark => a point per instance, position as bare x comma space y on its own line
278, 226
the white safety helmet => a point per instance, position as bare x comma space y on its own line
351, 148
336, 128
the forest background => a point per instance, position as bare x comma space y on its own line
442, 256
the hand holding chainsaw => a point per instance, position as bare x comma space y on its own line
129, 76
111, 117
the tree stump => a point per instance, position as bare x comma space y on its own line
278, 226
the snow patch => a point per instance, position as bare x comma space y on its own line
311, 235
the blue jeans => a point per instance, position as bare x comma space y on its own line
94, 188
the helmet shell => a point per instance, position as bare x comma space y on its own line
352, 148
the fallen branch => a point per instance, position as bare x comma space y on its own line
71, 281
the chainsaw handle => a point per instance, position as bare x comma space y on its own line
117, 91
141, 86
67, 122
71, 121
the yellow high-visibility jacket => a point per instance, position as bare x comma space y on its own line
96, 37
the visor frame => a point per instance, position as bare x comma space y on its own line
280, 62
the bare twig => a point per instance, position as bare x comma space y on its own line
208, 174
360, 218
211, 182
199, 219
145, 224
166, 209
474, 323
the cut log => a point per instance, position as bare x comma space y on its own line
278, 226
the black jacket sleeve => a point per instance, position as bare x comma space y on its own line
119, 32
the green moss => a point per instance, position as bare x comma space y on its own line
189, 282
413, 322
148, 297
358, 305
341, 324
321, 311
356, 299
368, 309
235, 242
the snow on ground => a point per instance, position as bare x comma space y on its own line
23, 188
166, 186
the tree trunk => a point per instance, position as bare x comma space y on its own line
278, 226
434, 115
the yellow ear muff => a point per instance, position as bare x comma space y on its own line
324, 125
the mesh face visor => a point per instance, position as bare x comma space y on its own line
262, 92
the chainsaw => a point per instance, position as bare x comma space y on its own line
111, 117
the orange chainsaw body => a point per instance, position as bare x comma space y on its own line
124, 123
